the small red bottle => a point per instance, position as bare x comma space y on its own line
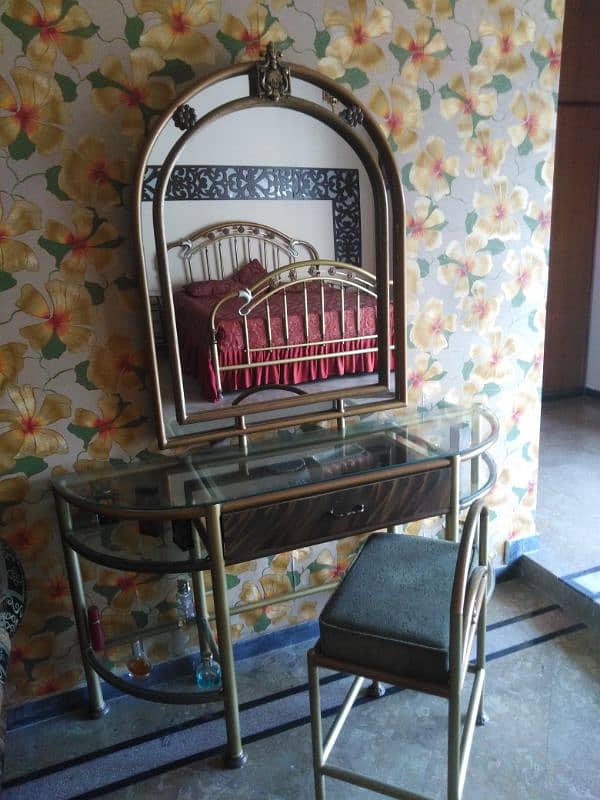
95, 629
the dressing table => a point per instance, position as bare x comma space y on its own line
230, 504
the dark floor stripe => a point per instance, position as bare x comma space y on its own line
515, 648
572, 575
521, 617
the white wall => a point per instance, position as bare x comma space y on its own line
593, 357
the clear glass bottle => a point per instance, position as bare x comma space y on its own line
184, 601
138, 663
208, 674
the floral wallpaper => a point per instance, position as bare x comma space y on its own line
466, 91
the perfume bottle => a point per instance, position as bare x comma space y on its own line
208, 674
186, 612
138, 664
95, 629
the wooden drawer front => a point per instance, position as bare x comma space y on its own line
289, 524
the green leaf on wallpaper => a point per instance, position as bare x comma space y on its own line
494, 246
262, 623
85, 434
68, 87
133, 30
405, 173
141, 619
58, 624
520, 493
110, 244
470, 221
107, 592
322, 39
444, 259
29, 465
525, 147
538, 173
491, 389
52, 183
294, 578
423, 267
125, 283
285, 44
500, 83
100, 81
531, 222
316, 566
518, 299
512, 434
400, 54
57, 250
54, 348
81, 376
355, 77
409, 341
232, 580
539, 60
467, 369
22, 31
425, 98
6, 280
176, 69
84, 33
392, 143
409, 3
447, 93
474, 52
22, 147
525, 365
96, 292
531, 321
233, 46
549, 10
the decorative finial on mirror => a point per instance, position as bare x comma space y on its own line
273, 76
184, 117
353, 115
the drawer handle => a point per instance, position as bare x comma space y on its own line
359, 508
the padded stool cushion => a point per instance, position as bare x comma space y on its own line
392, 610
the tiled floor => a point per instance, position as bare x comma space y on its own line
541, 742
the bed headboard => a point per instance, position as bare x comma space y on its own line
218, 251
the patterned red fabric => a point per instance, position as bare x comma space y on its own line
193, 323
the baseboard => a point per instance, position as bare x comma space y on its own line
76, 699
592, 392
565, 394
515, 548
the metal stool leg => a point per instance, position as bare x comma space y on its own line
316, 726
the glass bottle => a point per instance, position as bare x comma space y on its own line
208, 674
95, 629
138, 664
184, 601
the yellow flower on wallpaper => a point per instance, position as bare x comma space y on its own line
401, 115
538, 218
22, 218
268, 587
494, 362
433, 171
440, 9
414, 285
528, 269
537, 120
176, 35
25, 430
13, 490
423, 226
469, 102
136, 95
503, 55
255, 36
57, 31
432, 327
423, 379
328, 567
116, 422
479, 311
28, 646
497, 219
115, 365
131, 588
52, 593
29, 538
31, 118
355, 47
521, 525
422, 52
11, 362
459, 269
90, 177
519, 411
68, 318
48, 679
551, 53
487, 154
88, 244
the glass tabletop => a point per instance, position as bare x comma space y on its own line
284, 459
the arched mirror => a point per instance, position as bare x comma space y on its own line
270, 225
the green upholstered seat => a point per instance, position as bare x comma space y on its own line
392, 611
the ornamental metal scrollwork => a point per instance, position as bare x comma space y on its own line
353, 115
273, 76
184, 117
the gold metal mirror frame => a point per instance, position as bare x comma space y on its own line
270, 83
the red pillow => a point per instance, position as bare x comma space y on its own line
251, 272
215, 289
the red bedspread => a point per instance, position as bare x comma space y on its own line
193, 324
